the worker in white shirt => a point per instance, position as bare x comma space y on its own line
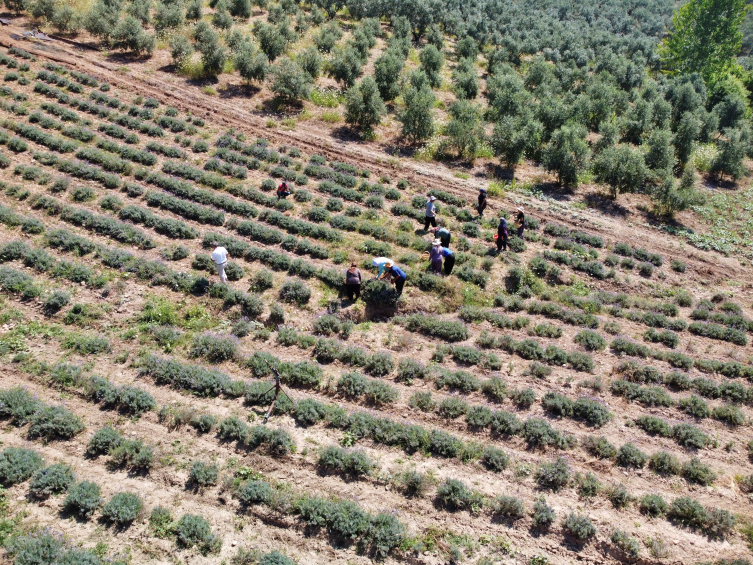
219, 256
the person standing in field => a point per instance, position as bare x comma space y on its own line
481, 201
502, 235
353, 282
431, 213
219, 256
436, 256
520, 222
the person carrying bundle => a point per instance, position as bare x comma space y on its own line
283, 191
397, 276
431, 213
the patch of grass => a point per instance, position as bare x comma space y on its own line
326, 98
331, 117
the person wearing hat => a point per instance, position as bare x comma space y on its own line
436, 256
520, 222
353, 282
443, 234
431, 213
502, 235
219, 256
398, 277
481, 201
449, 261
379, 263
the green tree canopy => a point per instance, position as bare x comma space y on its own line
417, 116
706, 37
669, 198
432, 60
465, 131
622, 168
290, 81
566, 154
364, 107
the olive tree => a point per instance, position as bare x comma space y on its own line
129, 35
252, 65
566, 154
669, 199
465, 130
622, 168
240, 9
181, 50
194, 10
272, 39
344, 66
467, 48
66, 20
660, 155
15, 6
513, 138
141, 10
290, 81
310, 61
168, 16
417, 117
729, 161
465, 80
363, 106
507, 93
213, 55
387, 69
101, 18
432, 60
43, 9
688, 130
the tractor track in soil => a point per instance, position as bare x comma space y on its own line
708, 267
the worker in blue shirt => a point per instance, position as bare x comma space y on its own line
449, 261
398, 276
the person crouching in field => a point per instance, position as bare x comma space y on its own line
398, 277
283, 191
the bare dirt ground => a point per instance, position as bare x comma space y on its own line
502, 542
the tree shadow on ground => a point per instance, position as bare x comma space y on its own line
123, 58
282, 106
654, 219
395, 150
606, 205
239, 91
497, 172
555, 191
345, 133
